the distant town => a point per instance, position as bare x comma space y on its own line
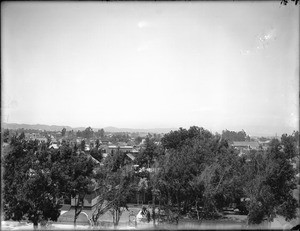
113, 139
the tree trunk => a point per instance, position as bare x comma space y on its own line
178, 209
168, 206
158, 210
198, 217
35, 225
114, 217
117, 217
153, 210
78, 208
101, 211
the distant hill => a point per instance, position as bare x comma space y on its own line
151, 130
59, 128
35, 126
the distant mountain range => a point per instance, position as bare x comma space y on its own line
106, 129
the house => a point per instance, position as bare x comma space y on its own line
121, 144
131, 143
105, 142
126, 148
97, 162
134, 151
87, 148
130, 156
265, 144
53, 146
90, 200
245, 146
35, 136
113, 148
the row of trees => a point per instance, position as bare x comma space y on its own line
192, 170
200, 171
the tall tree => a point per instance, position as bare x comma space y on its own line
29, 191
6, 135
37, 180
198, 169
148, 153
116, 181
270, 179
82, 145
63, 132
78, 173
88, 133
235, 136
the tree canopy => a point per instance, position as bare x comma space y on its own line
192, 172
37, 179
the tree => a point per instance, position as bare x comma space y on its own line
79, 133
101, 133
29, 191
289, 143
269, 180
37, 180
82, 145
63, 132
138, 140
79, 176
97, 143
285, 2
235, 136
148, 154
174, 139
6, 135
88, 133
198, 169
81, 186
73, 171
115, 180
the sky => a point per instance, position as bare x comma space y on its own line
218, 65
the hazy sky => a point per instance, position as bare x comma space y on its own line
218, 65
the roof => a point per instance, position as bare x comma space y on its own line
55, 146
121, 147
130, 156
112, 146
93, 159
127, 147
251, 144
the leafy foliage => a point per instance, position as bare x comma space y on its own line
285, 2
29, 191
235, 136
116, 182
37, 179
270, 180
192, 170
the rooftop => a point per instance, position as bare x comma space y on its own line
251, 144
